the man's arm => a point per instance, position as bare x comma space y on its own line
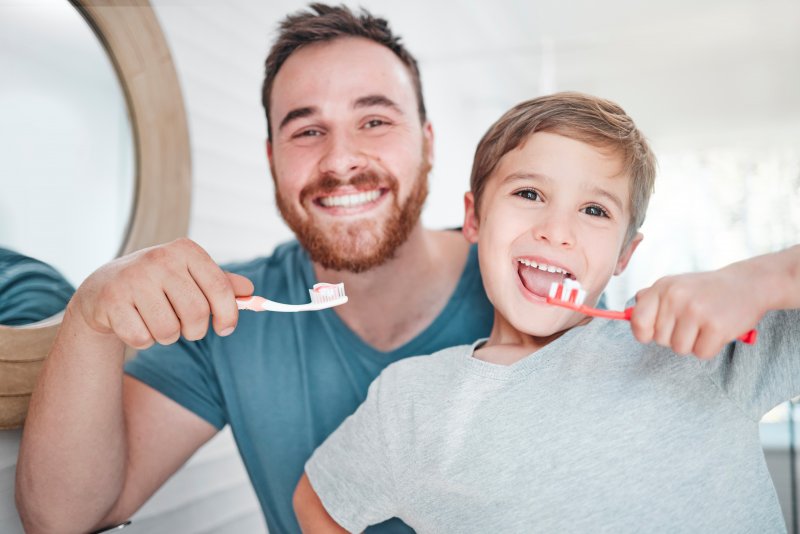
701, 312
311, 514
97, 444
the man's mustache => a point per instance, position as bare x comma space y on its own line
363, 181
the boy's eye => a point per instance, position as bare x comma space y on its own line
528, 194
595, 211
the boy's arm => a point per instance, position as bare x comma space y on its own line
700, 313
352, 471
311, 514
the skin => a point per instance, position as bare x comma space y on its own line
557, 201
552, 200
93, 445
311, 513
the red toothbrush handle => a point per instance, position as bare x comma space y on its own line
597, 312
749, 337
625, 315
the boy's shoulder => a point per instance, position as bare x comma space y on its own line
414, 370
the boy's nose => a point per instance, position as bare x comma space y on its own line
556, 230
343, 156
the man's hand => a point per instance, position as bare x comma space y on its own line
699, 313
157, 294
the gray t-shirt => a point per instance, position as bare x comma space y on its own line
593, 433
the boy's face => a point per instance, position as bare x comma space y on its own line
553, 208
349, 155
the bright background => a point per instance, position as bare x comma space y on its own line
715, 85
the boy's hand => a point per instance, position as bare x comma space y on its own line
699, 313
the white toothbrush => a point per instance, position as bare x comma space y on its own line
322, 296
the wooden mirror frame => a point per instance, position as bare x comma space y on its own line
138, 50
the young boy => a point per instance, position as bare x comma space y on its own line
559, 422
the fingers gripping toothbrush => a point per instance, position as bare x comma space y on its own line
322, 296
569, 294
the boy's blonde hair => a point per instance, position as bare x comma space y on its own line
578, 116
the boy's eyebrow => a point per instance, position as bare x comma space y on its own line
298, 113
599, 191
519, 176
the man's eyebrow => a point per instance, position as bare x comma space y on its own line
376, 100
298, 113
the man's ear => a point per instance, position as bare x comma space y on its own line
427, 134
627, 252
470, 228
271, 162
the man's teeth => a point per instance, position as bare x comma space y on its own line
543, 267
350, 201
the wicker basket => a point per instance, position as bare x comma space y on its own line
22, 353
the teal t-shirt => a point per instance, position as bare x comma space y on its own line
285, 381
30, 290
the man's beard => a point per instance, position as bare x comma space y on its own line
365, 244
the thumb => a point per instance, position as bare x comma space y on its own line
242, 286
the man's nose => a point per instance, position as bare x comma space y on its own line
343, 156
557, 229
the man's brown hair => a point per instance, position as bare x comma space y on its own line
582, 117
322, 23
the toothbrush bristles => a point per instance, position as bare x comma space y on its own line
323, 292
569, 291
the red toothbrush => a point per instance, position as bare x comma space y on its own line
569, 294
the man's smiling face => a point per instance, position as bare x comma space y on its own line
349, 157
553, 208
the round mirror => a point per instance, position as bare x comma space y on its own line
66, 146
128, 182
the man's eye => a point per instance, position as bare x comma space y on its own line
308, 133
528, 194
374, 123
595, 211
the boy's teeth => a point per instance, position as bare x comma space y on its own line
543, 266
350, 201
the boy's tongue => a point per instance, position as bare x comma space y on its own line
537, 281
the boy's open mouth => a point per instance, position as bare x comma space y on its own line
538, 277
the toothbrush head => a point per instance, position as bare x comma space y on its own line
569, 291
327, 295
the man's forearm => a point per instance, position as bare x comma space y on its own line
72, 457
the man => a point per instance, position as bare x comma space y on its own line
349, 149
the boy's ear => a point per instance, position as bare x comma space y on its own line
269, 151
627, 252
470, 228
